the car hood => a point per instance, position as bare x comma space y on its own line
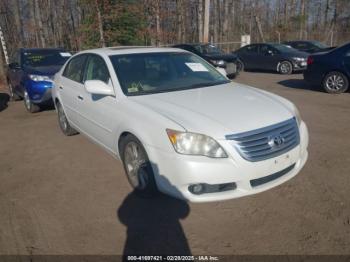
218, 110
225, 57
43, 70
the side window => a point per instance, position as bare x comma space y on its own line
75, 68
264, 49
268, 50
251, 49
96, 69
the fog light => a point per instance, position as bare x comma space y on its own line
196, 189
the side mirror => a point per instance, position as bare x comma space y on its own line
14, 65
269, 52
98, 87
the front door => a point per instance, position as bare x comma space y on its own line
97, 112
268, 57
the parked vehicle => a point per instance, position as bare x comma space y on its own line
30, 75
274, 57
331, 70
178, 125
308, 46
214, 56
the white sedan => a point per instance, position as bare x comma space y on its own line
178, 125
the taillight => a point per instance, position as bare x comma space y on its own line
310, 60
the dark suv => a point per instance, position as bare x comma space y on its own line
30, 74
214, 56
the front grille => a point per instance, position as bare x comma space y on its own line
267, 142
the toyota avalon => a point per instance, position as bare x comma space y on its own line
178, 125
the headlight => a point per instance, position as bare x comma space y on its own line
195, 144
218, 62
299, 59
38, 78
297, 115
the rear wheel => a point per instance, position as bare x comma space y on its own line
13, 95
137, 166
335, 83
240, 66
285, 68
63, 122
29, 105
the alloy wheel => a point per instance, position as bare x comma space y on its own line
11, 90
135, 160
335, 82
62, 118
285, 68
27, 101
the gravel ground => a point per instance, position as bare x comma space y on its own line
65, 195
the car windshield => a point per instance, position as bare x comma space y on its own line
208, 49
45, 58
149, 73
319, 44
282, 48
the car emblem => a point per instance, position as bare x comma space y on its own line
276, 140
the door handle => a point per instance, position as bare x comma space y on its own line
60, 87
80, 97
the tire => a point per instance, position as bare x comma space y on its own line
137, 167
285, 68
29, 105
13, 95
63, 122
335, 83
240, 66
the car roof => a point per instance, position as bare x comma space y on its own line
41, 49
116, 50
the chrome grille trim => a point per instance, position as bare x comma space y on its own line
254, 145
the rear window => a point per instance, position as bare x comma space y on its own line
75, 68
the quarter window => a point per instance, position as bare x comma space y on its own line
75, 68
96, 69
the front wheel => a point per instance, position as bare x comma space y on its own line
335, 83
285, 68
29, 105
137, 166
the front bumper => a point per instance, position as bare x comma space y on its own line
299, 65
39, 92
174, 173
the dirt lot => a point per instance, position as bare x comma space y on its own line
65, 195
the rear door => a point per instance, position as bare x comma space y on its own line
71, 87
97, 112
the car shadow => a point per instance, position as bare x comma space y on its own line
153, 225
299, 84
4, 99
